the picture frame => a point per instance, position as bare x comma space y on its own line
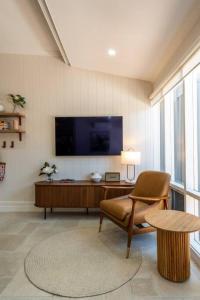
112, 176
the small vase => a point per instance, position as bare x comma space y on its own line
96, 177
2, 108
14, 108
49, 178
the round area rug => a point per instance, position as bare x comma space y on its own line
82, 262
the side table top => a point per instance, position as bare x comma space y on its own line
173, 220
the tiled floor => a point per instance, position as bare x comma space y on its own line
19, 232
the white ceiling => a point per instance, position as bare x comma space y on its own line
145, 33
23, 29
139, 30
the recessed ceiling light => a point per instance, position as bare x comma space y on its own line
111, 52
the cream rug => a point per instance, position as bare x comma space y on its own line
82, 263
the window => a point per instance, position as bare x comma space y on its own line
192, 141
193, 207
192, 130
178, 135
179, 139
155, 113
162, 137
198, 124
174, 133
158, 136
177, 200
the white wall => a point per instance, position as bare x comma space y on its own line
54, 89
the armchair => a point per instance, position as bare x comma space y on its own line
128, 212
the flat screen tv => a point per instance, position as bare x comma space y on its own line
88, 136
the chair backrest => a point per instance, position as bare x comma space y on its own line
152, 184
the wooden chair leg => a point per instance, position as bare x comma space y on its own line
130, 234
101, 221
165, 204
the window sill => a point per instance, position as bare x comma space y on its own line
193, 194
177, 187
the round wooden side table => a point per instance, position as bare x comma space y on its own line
173, 249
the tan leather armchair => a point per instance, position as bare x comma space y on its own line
128, 212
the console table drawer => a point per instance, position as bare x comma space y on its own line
60, 196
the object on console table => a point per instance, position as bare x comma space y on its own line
112, 176
96, 177
67, 180
173, 251
76, 194
48, 171
2, 108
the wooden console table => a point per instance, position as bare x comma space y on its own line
75, 194
173, 251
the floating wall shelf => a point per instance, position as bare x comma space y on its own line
14, 115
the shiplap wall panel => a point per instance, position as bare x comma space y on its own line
54, 89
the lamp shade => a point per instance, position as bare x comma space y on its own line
130, 157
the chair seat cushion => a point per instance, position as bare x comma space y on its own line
120, 209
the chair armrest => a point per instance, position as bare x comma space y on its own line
146, 199
107, 188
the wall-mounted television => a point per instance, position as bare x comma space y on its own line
88, 135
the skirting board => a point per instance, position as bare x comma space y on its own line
28, 206
18, 206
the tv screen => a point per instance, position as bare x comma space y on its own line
88, 135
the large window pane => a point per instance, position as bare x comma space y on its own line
155, 113
178, 135
193, 207
174, 134
178, 149
192, 141
162, 136
177, 200
198, 126
192, 130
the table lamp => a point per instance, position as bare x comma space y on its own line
130, 158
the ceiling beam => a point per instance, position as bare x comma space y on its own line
44, 8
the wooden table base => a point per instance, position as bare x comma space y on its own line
173, 255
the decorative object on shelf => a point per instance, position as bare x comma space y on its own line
16, 124
1, 125
130, 158
112, 176
96, 177
2, 108
17, 100
48, 170
2, 170
4, 125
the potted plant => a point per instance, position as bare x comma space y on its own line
48, 171
17, 100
